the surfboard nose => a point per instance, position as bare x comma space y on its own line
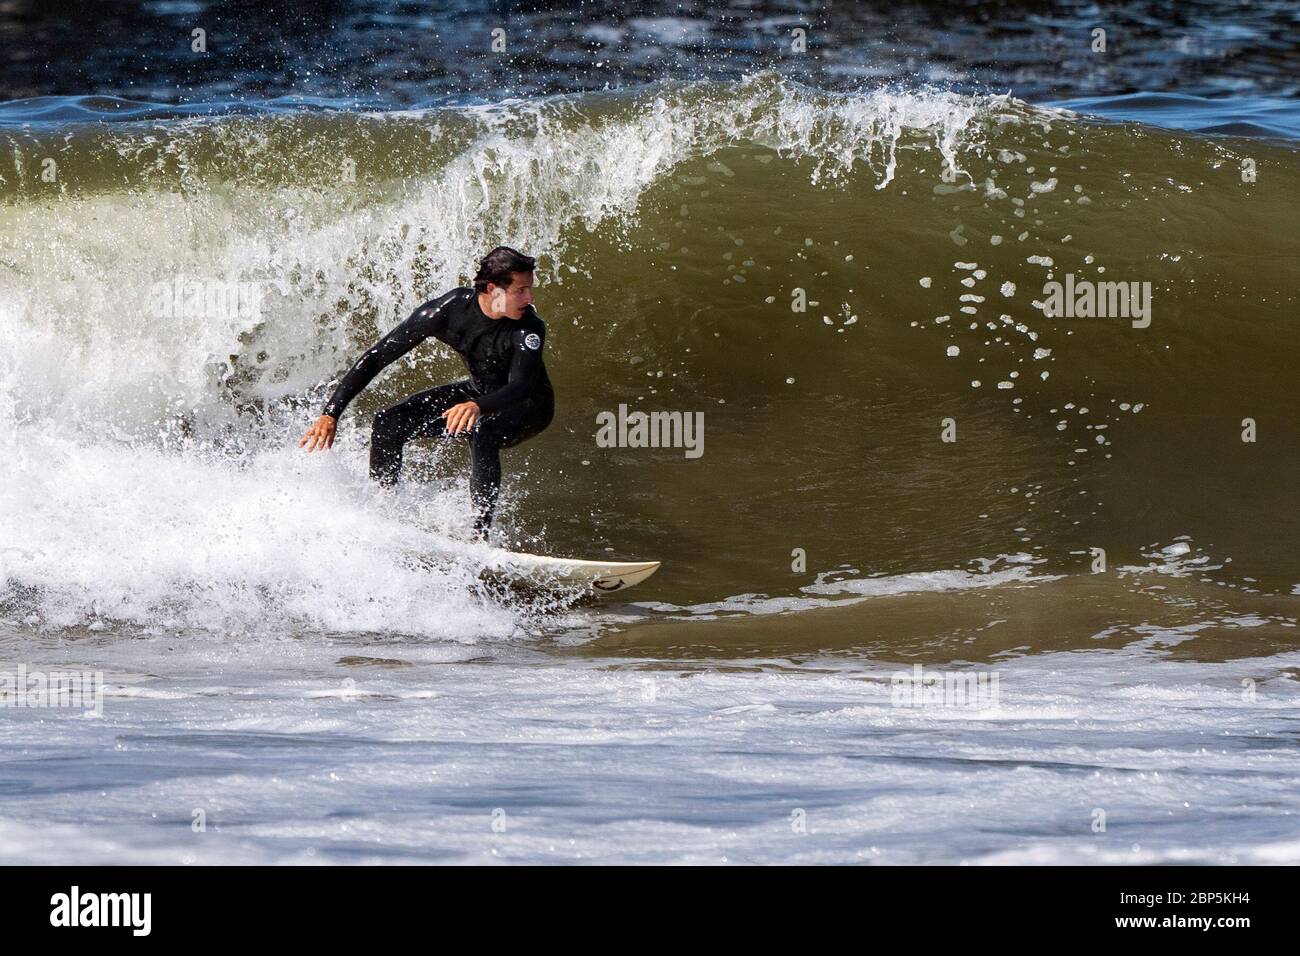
627, 575
603, 576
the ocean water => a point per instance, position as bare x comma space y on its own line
296, 668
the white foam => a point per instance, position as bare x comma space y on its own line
581, 762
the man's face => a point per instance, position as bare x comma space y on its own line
512, 301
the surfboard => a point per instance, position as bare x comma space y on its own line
601, 576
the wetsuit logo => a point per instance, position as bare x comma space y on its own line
533, 341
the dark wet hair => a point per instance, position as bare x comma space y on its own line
499, 267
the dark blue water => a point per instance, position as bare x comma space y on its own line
1212, 67
1261, 116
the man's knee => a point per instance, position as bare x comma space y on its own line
530, 427
383, 421
488, 431
392, 424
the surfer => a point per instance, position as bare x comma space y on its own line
506, 400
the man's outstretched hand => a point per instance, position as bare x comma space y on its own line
461, 418
321, 434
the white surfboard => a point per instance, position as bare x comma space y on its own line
600, 576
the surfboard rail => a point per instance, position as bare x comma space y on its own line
602, 576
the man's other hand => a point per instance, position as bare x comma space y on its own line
321, 434
461, 418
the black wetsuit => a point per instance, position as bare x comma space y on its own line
507, 380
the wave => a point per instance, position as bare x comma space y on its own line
149, 462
